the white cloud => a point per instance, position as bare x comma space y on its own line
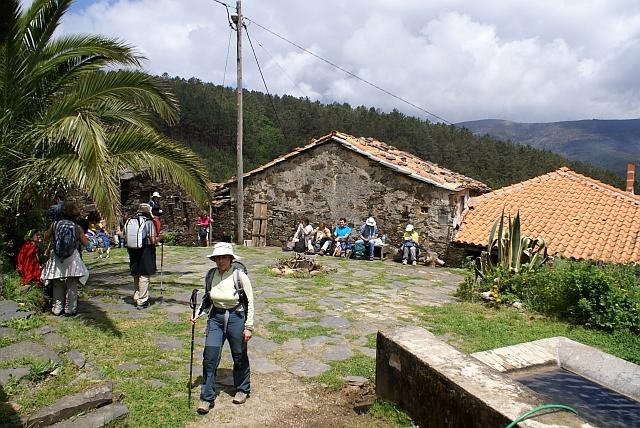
462, 59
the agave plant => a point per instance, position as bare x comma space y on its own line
514, 251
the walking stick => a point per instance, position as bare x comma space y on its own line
193, 303
161, 266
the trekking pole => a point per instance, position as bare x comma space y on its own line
161, 266
193, 303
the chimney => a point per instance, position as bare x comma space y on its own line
631, 176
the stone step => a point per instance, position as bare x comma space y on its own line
99, 418
71, 405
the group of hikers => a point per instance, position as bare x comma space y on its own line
322, 241
227, 298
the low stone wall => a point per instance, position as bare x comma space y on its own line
438, 386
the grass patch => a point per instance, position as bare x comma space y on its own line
25, 324
372, 340
280, 336
476, 327
358, 365
390, 413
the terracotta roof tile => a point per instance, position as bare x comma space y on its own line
391, 157
580, 217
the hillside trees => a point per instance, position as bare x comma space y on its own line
208, 125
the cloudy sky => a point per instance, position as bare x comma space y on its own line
529, 61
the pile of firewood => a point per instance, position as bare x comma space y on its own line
298, 265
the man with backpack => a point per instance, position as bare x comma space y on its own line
228, 301
65, 269
141, 238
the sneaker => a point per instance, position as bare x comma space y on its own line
203, 407
240, 397
414, 263
404, 262
321, 253
370, 259
145, 305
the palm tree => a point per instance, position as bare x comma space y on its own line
76, 109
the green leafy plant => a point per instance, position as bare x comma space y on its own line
515, 251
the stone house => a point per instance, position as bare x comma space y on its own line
579, 217
179, 212
339, 175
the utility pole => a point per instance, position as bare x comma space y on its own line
240, 172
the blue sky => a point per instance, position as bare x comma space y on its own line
518, 60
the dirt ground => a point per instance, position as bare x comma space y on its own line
283, 400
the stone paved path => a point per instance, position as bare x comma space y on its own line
303, 325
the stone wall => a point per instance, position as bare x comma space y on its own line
438, 386
330, 181
179, 213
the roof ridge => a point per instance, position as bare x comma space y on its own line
605, 186
562, 171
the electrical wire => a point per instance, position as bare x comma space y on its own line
350, 73
226, 60
284, 72
265, 85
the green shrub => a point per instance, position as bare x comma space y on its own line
604, 297
170, 238
31, 296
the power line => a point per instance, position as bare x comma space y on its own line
265, 85
350, 73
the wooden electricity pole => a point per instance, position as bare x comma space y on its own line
240, 172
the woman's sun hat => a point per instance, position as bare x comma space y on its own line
156, 195
370, 221
222, 249
145, 208
409, 228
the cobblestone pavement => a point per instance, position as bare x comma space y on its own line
302, 324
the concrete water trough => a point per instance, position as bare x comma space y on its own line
439, 386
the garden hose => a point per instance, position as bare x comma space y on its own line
537, 409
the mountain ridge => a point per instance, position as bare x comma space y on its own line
608, 143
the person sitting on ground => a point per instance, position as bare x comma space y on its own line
228, 319
65, 268
410, 242
322, 238
368, 235
341, 240
203, 228
28, 263
304, 233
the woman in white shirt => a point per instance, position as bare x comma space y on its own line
228, 320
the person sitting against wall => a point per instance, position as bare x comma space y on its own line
302, 236
368, 235
341, 239
410, 242
322, 238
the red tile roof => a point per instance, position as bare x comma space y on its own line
579, 217
391, 157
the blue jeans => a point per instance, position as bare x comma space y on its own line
213, 349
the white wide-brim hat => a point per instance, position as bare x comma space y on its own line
370, 221
156, 195
145, 208
222, 249
409, 228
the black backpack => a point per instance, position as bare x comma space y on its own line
242, 296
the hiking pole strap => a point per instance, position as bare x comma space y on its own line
161, 264
193, 303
